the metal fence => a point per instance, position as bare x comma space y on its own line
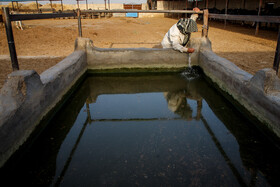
8, 18
257, 19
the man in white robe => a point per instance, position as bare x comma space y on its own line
179, 34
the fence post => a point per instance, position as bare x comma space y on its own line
10, 38
205, 23
79, 22
277, 53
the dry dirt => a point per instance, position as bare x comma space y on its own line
49, 41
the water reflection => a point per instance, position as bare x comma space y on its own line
178, 103
147, 130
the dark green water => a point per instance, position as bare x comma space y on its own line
147, 130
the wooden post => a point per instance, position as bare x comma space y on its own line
10, 38
205, 23
105, 4
259, 13
86, 4
277, 54
78, 4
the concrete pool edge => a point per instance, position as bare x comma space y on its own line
27, 97
259, 94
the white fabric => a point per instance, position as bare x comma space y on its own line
174, 38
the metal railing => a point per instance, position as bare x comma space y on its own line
253, 18
257, 19
8, 18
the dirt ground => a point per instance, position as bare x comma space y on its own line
43, 43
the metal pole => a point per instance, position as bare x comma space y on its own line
17, 7
226, 13
206, 4
37, 6
259, 13
277, 54
13, 8
87, 4
173, 7
10, 38
61, 6
79, 22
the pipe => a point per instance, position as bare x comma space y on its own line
10, 38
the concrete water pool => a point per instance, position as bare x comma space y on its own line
147, 130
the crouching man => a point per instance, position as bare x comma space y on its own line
179, 34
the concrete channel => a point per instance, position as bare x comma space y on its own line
28, 98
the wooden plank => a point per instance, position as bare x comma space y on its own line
205, 23
131, 6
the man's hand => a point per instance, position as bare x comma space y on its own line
196, 9
191, 50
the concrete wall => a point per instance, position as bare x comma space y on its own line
27, 97
136, 58
259, 93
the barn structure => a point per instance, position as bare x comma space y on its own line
253, 12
